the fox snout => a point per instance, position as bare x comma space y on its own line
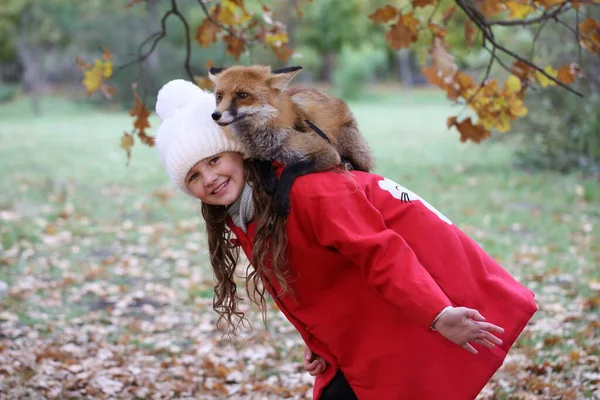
216, 115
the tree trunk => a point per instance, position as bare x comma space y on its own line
31, 69
328, 65
405, 67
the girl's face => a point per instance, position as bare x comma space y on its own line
217, 180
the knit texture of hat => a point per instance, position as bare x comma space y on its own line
187, 133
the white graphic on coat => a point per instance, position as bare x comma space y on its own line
403, 194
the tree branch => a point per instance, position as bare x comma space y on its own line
155, 37
523, 22
217, 23
188, 46
483, 25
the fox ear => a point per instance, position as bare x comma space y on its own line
213, 72
282, 77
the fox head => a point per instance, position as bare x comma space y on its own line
248, 93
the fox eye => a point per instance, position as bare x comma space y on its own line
242, 95
219, 96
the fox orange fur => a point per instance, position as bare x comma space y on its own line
275, 122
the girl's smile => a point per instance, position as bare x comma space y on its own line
217, 180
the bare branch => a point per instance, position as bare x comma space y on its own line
188, 46
155, 38
483, 25
535, 38
577, 33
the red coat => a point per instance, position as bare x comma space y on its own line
372, 264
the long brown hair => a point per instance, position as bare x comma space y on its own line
268, 255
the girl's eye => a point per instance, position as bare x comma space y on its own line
193, 177
214, 160
242, 95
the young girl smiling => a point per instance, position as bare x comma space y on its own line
379, 284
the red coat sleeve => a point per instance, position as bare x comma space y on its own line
347, 221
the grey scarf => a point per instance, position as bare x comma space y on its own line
242, 211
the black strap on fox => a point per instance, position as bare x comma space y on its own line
316, 129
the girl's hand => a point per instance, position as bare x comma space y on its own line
313, 364
462, 325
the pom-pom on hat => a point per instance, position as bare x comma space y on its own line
187, 133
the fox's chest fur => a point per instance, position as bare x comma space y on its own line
265, 141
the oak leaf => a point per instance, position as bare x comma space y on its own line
519, 10
489, 8
543, 80
403, 32
235, 46
276, 39
568, 73
226, 14
384, 14
423, 3
141, 114
437, 30
206, 33
467, 130
590, 35
442, 60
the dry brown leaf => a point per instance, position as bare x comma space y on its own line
206, 33
403, 32
443, 61
235, 46
384, 14
468, 131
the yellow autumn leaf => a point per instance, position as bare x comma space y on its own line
513, 84
543, 80
517, 108
502, 123
227, 13
108, 69
518, 10
92, 80
276, 39
126, 141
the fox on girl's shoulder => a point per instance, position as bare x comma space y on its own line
275, 122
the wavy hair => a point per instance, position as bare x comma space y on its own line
268, 256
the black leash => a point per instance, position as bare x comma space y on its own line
316, 129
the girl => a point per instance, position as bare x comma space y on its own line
371, 275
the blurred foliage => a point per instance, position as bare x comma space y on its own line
562, 131
356, 68
327, 27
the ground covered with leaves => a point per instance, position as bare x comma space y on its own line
105, 289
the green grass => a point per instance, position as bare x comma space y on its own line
63, 173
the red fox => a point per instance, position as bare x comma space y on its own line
304, 129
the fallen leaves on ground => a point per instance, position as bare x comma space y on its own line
122, 309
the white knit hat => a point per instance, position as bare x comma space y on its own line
187, 133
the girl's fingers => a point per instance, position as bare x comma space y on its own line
486, 326
490, 338
307, 353
474, 314
470, 348
484, 343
